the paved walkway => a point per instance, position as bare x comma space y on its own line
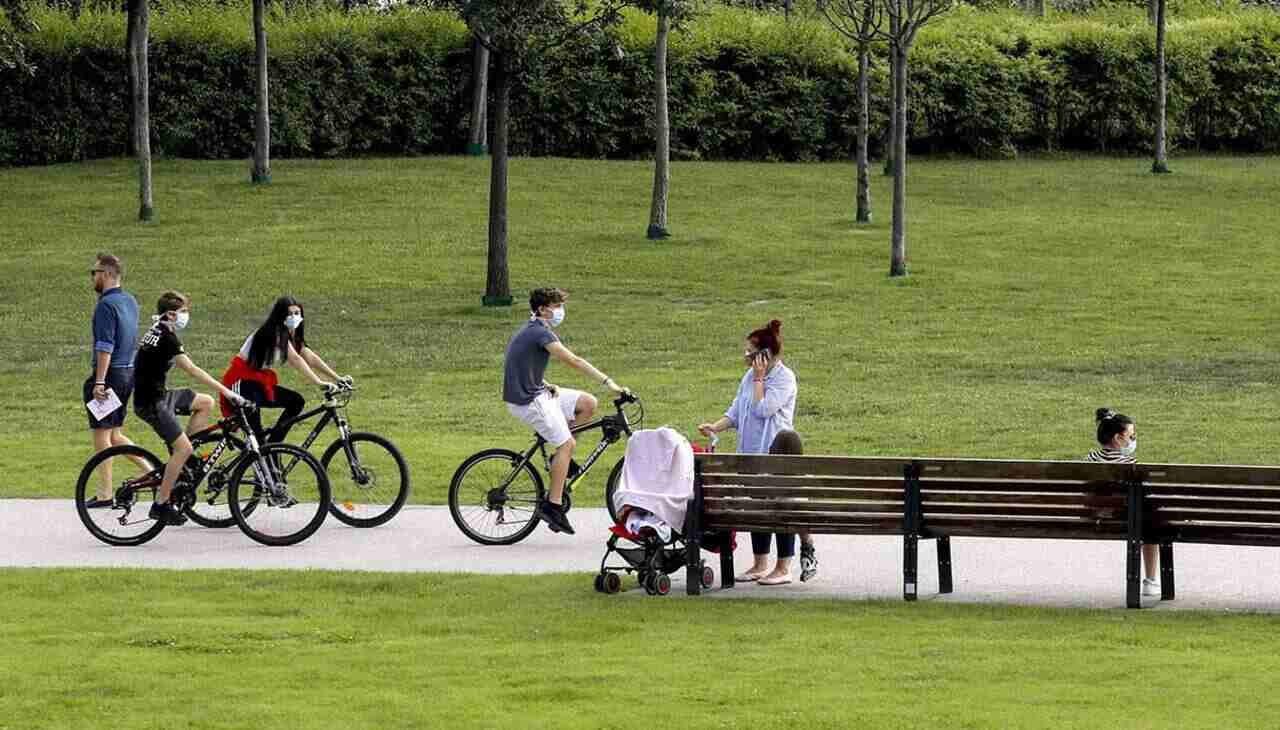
47, 533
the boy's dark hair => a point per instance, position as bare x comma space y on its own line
111, 263
546, 297
1110, 423
171, 301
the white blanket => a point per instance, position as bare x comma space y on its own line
657, 475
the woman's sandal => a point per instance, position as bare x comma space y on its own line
775, 580
749, 577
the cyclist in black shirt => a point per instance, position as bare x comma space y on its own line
158, 351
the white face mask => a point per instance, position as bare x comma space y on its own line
181, 320
557, 316
1130, 447
292, 321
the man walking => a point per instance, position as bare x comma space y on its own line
115, 341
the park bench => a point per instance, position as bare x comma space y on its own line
933, 498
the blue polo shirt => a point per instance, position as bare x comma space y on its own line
115, 327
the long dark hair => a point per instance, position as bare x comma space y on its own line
273, 335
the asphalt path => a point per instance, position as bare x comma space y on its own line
1064, 573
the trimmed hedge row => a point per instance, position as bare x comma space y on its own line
743, 86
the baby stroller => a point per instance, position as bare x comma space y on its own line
657, 485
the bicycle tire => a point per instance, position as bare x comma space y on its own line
611, 486
263, 508
340, 487
87, 483
456, 497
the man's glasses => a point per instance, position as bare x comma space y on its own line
93, 272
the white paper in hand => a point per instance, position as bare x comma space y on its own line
102, 408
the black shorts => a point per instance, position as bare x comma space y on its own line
121, 381
162, 414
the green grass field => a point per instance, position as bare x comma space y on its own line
1040, 290
228, 649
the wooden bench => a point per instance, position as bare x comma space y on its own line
928, 499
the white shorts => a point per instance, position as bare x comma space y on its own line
549, 415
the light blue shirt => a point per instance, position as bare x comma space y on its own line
758, 423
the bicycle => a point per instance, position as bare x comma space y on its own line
259, 488
502, 489
362, 494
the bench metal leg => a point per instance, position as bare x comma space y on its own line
726, 559
1133, 574
944, 565
1166, 571
693, 565
910, 565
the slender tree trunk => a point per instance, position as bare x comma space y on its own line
141, 112
497, 292
894, 23
898, 245
1161, 163
661, 133
131, 141
262, 119
1040, 8
478, 139
1152, 11
864, 177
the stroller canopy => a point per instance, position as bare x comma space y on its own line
657, 475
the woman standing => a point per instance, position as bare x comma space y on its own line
1118, 437
252, 374
764, 407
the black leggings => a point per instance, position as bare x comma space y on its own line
290, 401
786, 442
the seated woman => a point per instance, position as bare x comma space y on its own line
1118, 438
251, 375
765, 407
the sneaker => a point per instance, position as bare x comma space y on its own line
166, 513
99, 503
554, 517
1150, 587
808, 563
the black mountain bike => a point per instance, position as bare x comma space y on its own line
371, 484
278, 494
495, 493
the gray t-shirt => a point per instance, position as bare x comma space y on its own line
526, 362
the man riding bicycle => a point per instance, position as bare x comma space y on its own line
551, 411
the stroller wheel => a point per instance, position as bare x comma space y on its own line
662, 584
599, 583
708, 576
612, 583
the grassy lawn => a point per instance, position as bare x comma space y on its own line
230, 649
1040, 290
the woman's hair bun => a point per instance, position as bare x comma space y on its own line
1104, 413
775, 325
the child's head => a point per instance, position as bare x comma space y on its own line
1115, 430
172, 301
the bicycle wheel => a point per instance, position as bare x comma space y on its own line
493, 503
611, 486
210, 508
288, 506
370, 490
136, 475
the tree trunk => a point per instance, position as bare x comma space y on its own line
131, 140
661, 134
1039, 8
141, 112
898, 244
497, 291
894, 22
1152, 11
864, 178
262, 120
478, 139
1161, 163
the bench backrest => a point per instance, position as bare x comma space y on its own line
1224, 505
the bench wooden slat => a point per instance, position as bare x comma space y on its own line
1023, 510
785, 517
1160, 491
931, 497
1053, 531
1020, 485
1179, 513
710, 479
821, 528
1260, 476
1261, 505
716, 506
1012, 469
813, 465
1219, 535
883, 495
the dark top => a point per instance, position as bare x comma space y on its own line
159, 346
526, 362
115, 327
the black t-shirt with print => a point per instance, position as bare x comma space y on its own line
156, 351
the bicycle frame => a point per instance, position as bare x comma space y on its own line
612, 427
333, 412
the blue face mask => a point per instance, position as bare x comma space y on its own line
292, 321
1130, 447
557, 316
